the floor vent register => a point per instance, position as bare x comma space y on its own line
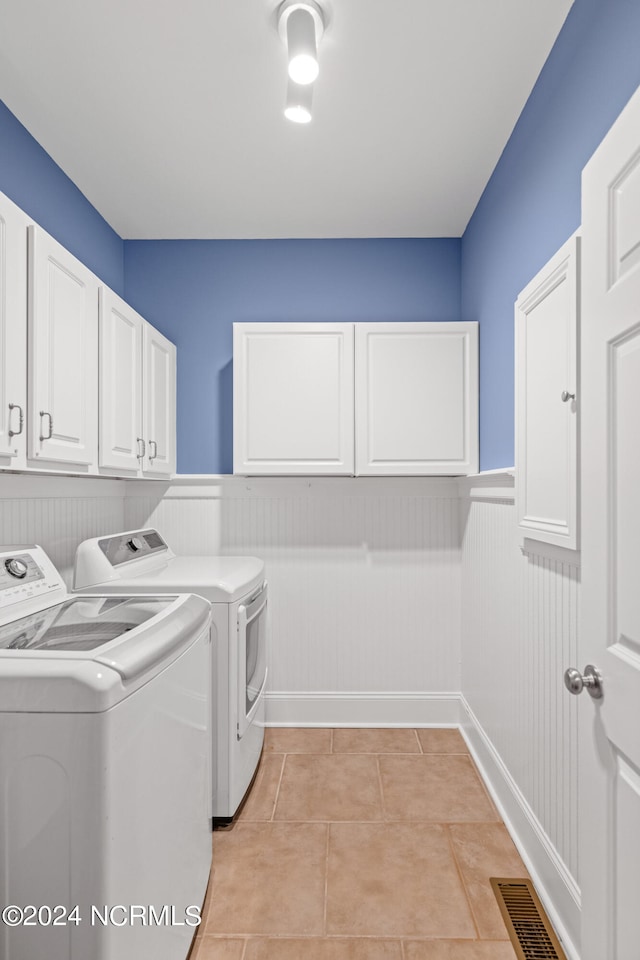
528, 926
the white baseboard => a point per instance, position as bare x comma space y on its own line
331, 709
556, 887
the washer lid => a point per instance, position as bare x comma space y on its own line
79, 625
88, 653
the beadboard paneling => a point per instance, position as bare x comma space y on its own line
519, 629
364, 575
44, 510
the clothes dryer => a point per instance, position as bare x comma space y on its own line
140, 561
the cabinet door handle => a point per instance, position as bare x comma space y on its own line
12, 407
152, 456
565, 396
44, 413
141, 452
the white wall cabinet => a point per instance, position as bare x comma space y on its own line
86, 384
293, 398
547, 398
63, 356
159, 403
416, 388
137, 392
370, 399
13, 334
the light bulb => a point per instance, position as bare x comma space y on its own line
297, 114
299, 97
301, 44
303, 69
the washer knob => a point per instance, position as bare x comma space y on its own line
134, 544
17, 568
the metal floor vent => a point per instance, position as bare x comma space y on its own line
528, 926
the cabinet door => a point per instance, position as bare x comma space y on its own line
120, 410
546, 317
293, 398
13, 333
416, 398
63, 355
159, 406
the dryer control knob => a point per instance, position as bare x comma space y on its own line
17, 568
134, 544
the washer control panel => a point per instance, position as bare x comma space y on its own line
23, 578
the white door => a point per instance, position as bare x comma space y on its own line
546, 321
63, 355
120, 437
610, 636
13, 333
293, 398
416, 398
159, 407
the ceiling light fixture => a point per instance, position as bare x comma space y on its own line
301, 25
299, 98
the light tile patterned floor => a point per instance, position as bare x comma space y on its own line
360, 845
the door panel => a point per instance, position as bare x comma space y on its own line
13, 333
546, 326
159, 407
416, 393
63, 354
293, 398
610, 637
120, 383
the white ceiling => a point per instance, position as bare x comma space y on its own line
168, 113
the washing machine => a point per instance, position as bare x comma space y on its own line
140, 561
104, 768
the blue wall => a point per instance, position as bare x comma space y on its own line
532, 202
30, 178
194, 290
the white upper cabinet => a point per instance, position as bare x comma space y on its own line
137, 392
364, 398
416, 388
13, 334
121, 331
293, 398
546, 318
63, 355
159, 403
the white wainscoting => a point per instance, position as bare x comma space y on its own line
364, 578
58, 513
379, 587
519, 633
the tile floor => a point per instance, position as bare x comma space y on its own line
360, 845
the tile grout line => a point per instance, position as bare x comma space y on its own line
326, 880
275, 801
244, 949
382, 803
420, 750
332, 738
446, 827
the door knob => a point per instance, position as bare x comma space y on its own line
576, 682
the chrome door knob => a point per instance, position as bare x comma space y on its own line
591, 680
